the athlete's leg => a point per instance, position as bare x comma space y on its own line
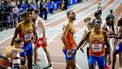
68, 64
120, 59
73, 64
101, 62
70, 60
92, 62
29, 58
35, 55
114, 59
47, 55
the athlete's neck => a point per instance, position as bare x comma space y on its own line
26, 22
71, 21
97, 31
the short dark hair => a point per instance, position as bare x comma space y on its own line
68, 13
97, 21
35, 11
25, 14
18, 40
111, 11
107, 18
96, 13
119, 22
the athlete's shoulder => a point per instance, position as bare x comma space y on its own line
88, 33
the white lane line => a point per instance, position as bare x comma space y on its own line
5, 39
59, 63
78, 66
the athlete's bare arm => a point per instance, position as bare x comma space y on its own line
34, 32
16, 32
119, 36
83, 40
107, 43
64, 36
41, 24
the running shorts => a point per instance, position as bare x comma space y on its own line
68, 57
99, 59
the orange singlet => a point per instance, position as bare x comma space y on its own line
96, 44
70, 38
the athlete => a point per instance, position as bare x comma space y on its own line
26, 31
11, 52
112, 21
118, 46
99, 8
40, 27
97, 37
97, 17
69, 41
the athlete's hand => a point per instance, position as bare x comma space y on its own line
109, 60
69, 51
34, 41
44, 40
74, 52
22, 58
111, 36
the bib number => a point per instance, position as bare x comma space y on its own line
16, 61
96, 47
28, 37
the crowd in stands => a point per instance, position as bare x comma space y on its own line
10, 10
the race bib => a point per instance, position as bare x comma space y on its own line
96, 47
16, 61
28, 37
116, 47
120, 40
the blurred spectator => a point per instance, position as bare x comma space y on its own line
52, 7
0, 11
99, 8
24, 6
5, 6
10, 19
65, 4
16, 13
60, 6
33, 5
43, 9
